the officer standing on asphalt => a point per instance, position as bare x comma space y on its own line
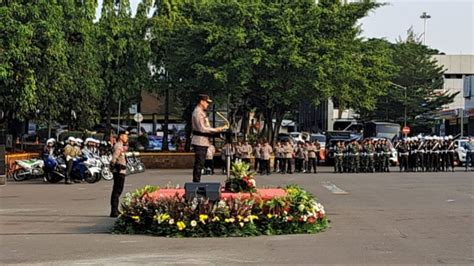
338, 157
70, 153
119, 168
245, 151
201, 133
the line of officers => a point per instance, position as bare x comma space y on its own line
365, 156
301, 157
428, 154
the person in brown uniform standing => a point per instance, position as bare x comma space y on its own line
201, 133
119, 168
265, 153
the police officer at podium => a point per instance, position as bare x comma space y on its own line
201, 133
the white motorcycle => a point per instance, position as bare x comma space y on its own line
105, 171
27, 169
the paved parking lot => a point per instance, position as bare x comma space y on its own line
377, 218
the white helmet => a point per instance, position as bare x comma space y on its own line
51, 140
79, 140
446, 137
450, 137
71, 139
87, 140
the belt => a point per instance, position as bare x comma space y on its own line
202, 134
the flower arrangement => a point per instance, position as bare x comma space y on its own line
298, 212
242, 179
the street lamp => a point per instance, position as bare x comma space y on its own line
424, 16
405, 104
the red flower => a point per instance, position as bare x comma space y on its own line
290, 218
311, 220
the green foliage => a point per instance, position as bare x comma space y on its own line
176, 217
419, 73
125, 53
242, 179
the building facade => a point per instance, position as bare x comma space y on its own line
457, 116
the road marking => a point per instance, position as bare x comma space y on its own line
333, 188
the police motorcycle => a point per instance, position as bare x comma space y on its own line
28, 169
105, 156
53, 161
139, 166
131, 167
92, 162
83, 168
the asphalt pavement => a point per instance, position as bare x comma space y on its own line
380, 218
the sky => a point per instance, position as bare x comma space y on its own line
450, 28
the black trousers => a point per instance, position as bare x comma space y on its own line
286, 165
199, 159
69, 169
119, 181
265, 167
246, 160
312, 165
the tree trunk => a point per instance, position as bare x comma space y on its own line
188, 115
166, 123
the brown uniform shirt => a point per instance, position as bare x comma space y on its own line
118, 157
201, 124
311, 151
71, 152
246, 151
265, 152
288, 151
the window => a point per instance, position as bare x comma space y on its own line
453, 76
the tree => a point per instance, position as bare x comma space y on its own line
125, 54
423, 79
33, 59
83, 87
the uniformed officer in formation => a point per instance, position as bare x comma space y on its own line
426, 154
365, 156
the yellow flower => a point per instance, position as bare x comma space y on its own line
252, 217
240, 218
164, 217
203, 217
269, 216
227, 220
231, 220
241, 224
136, 218
181, 225
216, 219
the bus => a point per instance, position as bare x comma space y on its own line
385, 130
